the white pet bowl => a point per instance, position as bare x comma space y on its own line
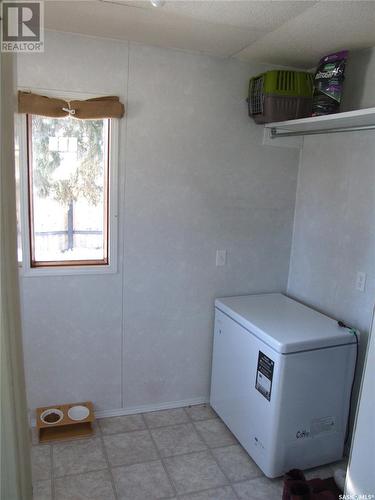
50, 421
78, 413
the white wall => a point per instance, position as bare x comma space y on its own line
334, 232
194, 178
360, 80
73, 324
334, 235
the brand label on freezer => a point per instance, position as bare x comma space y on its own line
263, 382
324, 424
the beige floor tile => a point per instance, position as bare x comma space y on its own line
77, 457
130, 448
126, 423
88, 486
224, 493
35, 438
42, 490
142, 481
177, 440
319, 472
236, 463
200, 412
163, 418
215, 433
194, 472
41, 462
261, 488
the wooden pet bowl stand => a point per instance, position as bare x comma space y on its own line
66, 428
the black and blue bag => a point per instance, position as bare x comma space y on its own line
328, 84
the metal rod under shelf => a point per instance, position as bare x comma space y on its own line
275, 134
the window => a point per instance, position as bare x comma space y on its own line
68, 191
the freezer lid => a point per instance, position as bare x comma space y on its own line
283, 323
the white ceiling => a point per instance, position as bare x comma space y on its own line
294, 33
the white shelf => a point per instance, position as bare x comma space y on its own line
348, 120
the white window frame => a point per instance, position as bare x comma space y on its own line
25, 268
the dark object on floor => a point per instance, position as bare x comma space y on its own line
297, 488
291, 477
300, 490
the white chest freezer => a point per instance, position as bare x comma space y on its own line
281, 380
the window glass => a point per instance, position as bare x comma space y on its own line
18, 194
68, 191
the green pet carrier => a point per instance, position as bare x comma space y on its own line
279, 95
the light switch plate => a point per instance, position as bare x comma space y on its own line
360, 282
221, 257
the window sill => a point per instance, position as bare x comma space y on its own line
38, 272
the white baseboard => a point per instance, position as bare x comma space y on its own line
147, 408
144, 408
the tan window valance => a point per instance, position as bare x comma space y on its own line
91, 109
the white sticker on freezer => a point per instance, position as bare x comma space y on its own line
264, 377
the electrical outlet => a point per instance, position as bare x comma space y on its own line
221, 257
360, 282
